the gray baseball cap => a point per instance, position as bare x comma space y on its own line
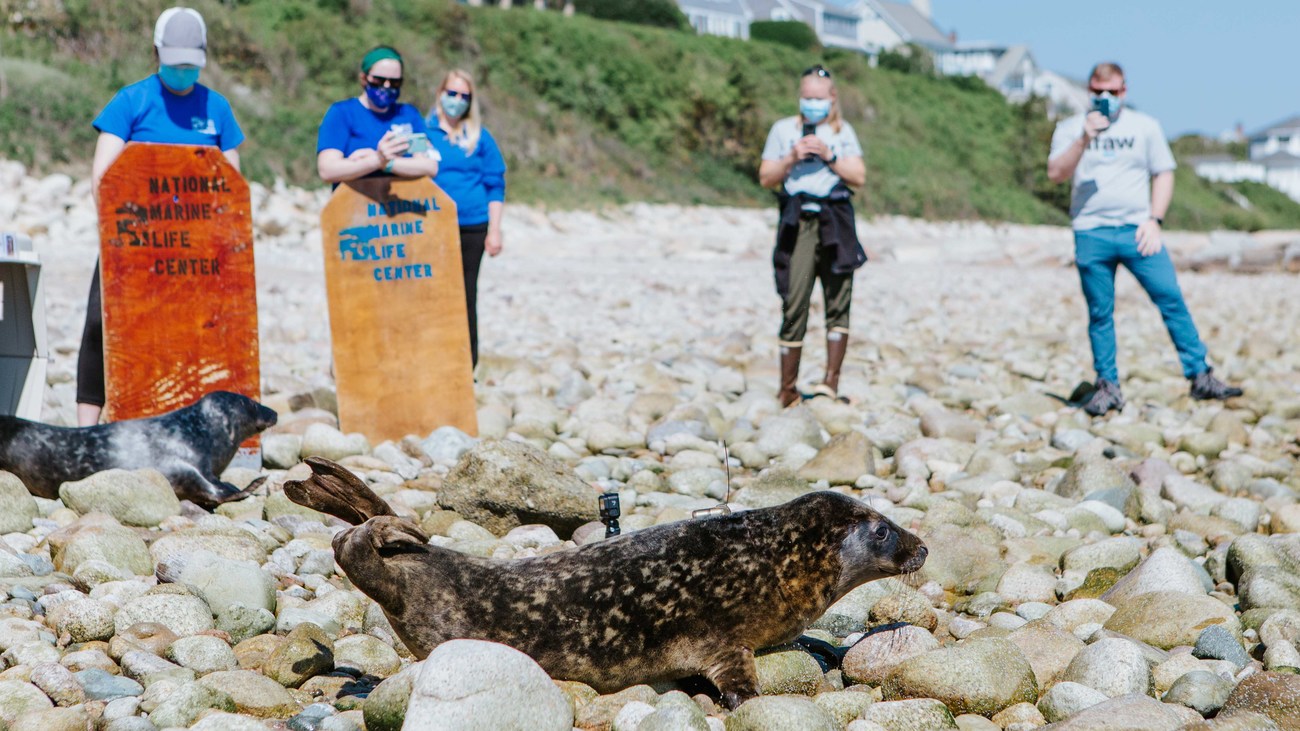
181, 38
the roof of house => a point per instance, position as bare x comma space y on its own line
1008, 63
1279, 160
1286, 125
912, 25
729, 7
762, 9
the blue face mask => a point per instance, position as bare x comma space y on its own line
453, 106
382, 97
1108, 104
179, 78
814, 110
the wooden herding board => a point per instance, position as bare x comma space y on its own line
176, 269
397, 309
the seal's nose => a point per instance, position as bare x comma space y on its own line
916, 561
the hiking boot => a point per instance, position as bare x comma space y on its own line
1106, 397
1206, 387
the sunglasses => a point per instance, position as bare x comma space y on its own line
1099, 92
817, 70
377, 81
457, 94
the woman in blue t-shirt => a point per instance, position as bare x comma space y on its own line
170, 107
372, 133
473, 174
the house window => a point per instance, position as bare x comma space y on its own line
781, 14
840, 25
700, 23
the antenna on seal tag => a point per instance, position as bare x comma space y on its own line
722, 508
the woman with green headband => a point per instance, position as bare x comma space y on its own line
372, 134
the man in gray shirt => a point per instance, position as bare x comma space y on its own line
1123, 174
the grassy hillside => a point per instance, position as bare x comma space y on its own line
586, 111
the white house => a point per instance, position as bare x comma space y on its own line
1228, 169
728, 18
1281, 137
1274, 159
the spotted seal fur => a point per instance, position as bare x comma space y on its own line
696, 597
189, 446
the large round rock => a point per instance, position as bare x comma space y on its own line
781, 713
470, 684
134, 497
980, 676
1168, 619
503, 485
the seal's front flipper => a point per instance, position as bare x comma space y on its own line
391, 536
333, 489
735, 676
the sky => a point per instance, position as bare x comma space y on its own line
1196, 65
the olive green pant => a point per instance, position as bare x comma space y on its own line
810, 262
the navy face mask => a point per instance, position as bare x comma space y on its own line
382, 97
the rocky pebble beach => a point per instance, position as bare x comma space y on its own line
1138, 571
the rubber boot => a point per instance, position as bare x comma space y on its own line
837, 344
790, 356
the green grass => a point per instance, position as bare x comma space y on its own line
587, 112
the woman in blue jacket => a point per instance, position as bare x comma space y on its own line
473, 173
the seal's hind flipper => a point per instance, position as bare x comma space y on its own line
335, 490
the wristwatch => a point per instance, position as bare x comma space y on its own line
1158, 220
834, 156
388, 168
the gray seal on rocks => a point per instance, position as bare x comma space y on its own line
189, 446
695, 597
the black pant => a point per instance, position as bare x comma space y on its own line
471, 257
90, 360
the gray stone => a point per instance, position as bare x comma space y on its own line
281, 451
186, 702
202, 653
1168, 619
101, 686
305, 653
83, 620
1089, 475
18, 698
981, 676
1166, 569
241, 622
1217, 643
1133, 711
367, 654
325, 441
385, 708
470, 684
779, 432
872, 658
133, 497
788, 713
224, 581
99, 537
502, 485
253, 693
788, 672
1201, 691
17, 506
1068, 698
1114, 667
842, 461
923, 714
180, 613
447, 444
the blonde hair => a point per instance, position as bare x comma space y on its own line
470, 129
834, 119
1106, 70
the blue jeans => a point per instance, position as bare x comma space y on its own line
1097, 251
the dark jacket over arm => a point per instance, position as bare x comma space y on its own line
838, 230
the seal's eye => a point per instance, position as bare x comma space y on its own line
882, 532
